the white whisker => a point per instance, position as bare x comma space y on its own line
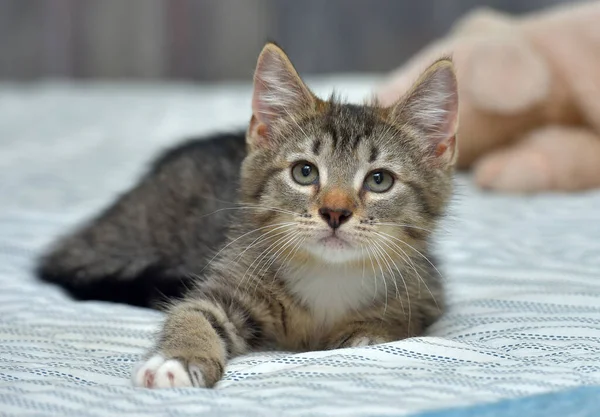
290, 256
416, 250
246, 234
259, 258
277, 253
374, 273
377, 252
407, 258
405, 287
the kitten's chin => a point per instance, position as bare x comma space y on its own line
332, 249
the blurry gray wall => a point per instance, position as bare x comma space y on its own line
219, 39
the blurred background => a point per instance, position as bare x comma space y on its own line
214, 40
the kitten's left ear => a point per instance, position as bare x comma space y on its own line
431, 108
279, 93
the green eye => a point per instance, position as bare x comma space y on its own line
305, 173
379, 181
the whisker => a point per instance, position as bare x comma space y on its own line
374, 273
362, 249
277, 253
237, 203
264, 237
284, 233
412, 264
246, 234
385, 254
264, 254
289, 256
410, 226
405, 257
277, 210
378, 254
275, 256
260, 206
405, 287
416, 250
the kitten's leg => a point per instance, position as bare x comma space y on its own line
361, 333
372, 329
197, 339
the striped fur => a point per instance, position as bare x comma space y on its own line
285, 279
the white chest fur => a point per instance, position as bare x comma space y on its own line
332, 291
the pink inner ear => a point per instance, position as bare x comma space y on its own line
258, 133
440, 149
443, 146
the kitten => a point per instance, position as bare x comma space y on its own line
328, 246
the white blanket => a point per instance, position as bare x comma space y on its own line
523, 278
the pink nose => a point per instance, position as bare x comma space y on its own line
335, 217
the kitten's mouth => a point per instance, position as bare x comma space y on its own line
333, 248
334, 242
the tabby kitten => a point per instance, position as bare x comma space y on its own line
328, 246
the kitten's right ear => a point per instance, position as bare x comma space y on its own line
431, 108
279, 93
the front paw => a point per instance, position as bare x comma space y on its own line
160, 371
360, 340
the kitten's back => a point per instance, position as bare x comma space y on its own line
143, 247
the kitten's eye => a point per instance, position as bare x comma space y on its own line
305, 173
379, 181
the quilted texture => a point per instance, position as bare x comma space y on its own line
523, 278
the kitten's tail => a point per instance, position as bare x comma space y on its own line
144, 286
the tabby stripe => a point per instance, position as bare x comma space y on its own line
217, 363
283, 318
206, 364
425, 206
316, 148
334, 137
218, 328
264, 181
256, 336
374, 154
347, 338
356, 141
251, 324
415, 234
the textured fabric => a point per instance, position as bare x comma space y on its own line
523, 278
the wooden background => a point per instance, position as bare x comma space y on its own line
218, 39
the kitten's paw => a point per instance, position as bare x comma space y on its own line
361, 341
159, 372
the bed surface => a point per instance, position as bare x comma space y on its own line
522, 273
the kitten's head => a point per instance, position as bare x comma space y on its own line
335, 182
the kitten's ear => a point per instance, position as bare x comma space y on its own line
431, 108
278, 93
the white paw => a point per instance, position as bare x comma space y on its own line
366, 341
158, 372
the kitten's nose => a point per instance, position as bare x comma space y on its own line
335, 217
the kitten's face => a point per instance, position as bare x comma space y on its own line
348, 184
339, 182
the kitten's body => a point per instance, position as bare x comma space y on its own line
148, 246
327, 248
